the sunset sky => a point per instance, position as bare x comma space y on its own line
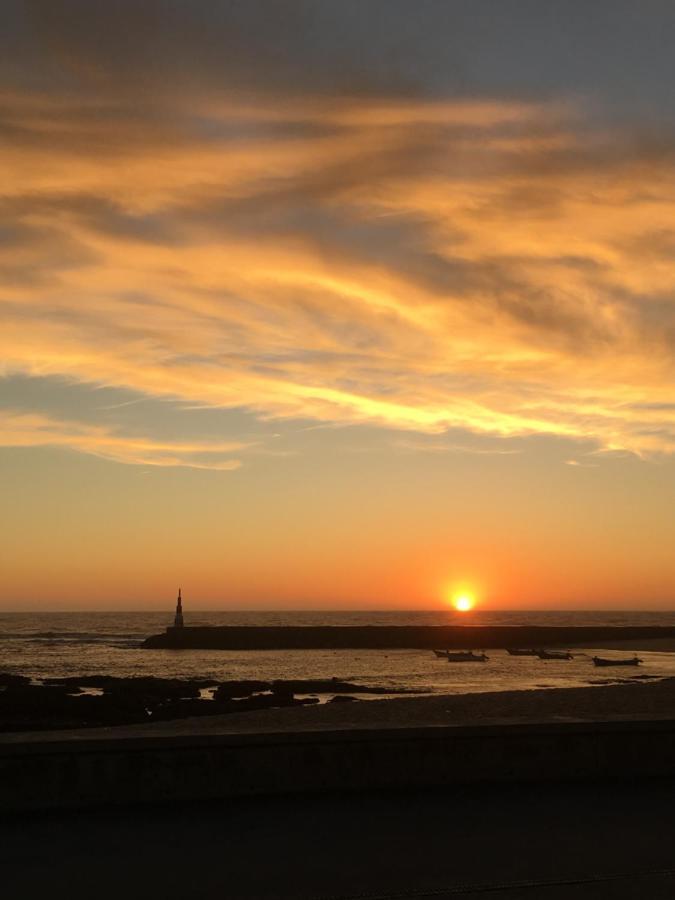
337, 304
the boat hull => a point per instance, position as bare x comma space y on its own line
602, 663
466, 657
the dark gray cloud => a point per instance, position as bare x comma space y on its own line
612, 48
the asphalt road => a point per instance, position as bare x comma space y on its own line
535, 842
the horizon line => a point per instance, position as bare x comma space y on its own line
364, 610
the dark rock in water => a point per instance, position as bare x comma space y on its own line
282, 689
331, 686
31, 698
229, 689
285, 688
268, 701
30, 707
58, 702
75, 681
153, 689
106, 710
146, 687
7, 679
182, 709
261, 701
343, 698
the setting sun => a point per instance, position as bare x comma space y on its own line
463, 602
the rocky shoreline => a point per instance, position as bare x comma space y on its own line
634, 698
105, 700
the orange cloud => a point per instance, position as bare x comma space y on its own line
31, 430
499, 267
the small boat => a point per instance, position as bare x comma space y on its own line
441, 654
466, 656
601, 661
554, 654
515, 651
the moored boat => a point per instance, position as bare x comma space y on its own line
554, 654
602, 661
466, 656
517, 651
441, 654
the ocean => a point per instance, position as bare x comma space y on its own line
56, 644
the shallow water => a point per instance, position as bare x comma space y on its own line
58, 644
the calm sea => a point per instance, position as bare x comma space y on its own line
44, 645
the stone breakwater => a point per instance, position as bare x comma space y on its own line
391, 637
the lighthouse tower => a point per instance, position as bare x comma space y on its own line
178, 618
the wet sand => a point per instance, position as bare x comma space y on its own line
633, 698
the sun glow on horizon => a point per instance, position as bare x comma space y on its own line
463, 601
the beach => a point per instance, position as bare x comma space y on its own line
273, 794
631, 698
90, 674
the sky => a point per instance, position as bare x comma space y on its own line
337, 305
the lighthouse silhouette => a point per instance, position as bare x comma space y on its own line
178, 618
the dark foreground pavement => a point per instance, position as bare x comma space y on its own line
535, 842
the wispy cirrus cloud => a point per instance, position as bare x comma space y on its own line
490, 264
20, 429
435, 446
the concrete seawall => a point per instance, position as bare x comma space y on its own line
108, 771
382, 637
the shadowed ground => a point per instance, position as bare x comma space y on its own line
613, 840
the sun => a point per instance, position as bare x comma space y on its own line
463, 602
462, 596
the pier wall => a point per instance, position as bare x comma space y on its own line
83, 772
383, 637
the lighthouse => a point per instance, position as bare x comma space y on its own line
178, 618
